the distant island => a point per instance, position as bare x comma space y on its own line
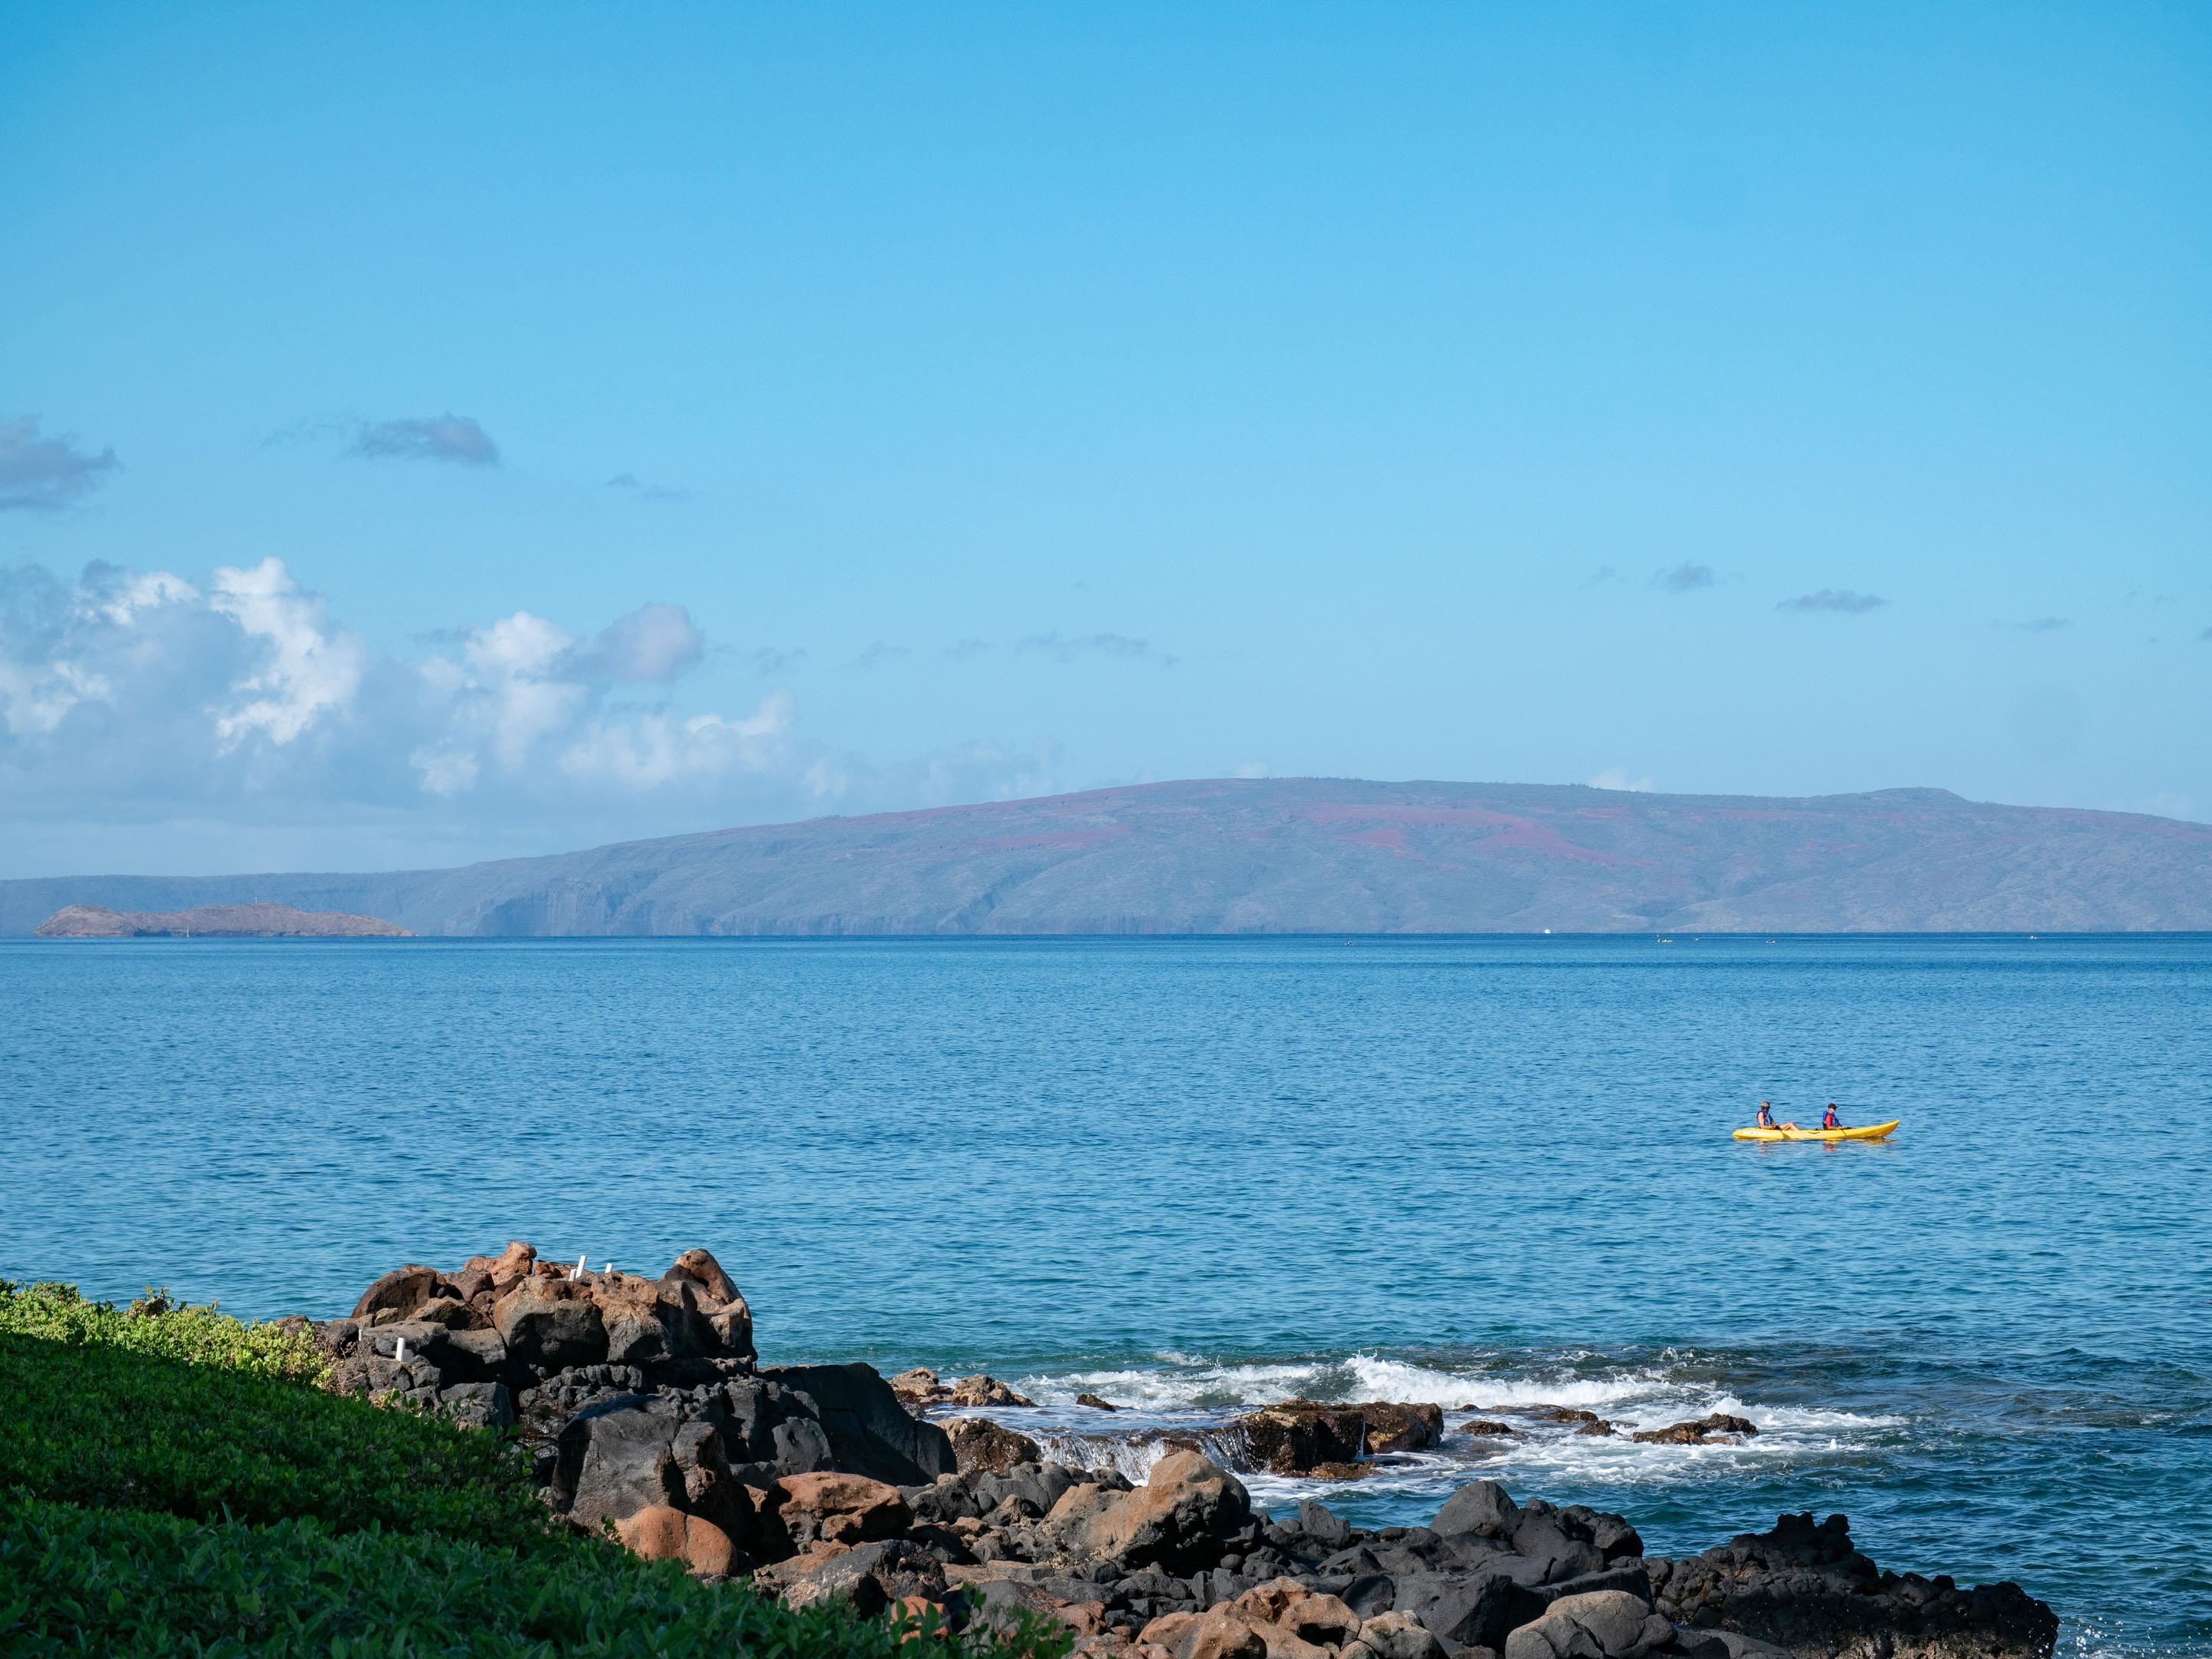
214, 921
1296, 855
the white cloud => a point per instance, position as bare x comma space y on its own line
653, 750
140, 686
311, 671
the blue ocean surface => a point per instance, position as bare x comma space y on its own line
1192, 1176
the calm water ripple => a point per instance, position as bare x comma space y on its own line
1191, 1174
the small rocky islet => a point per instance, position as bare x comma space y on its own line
647, 1410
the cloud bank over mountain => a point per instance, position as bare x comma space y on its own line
242, 689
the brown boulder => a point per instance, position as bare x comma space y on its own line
718, 1301
1096, 1403
1392, 1427
1611, 1622
1220, 1632
513, 1263
1484, 1428
920, 1387
700, 1267
1295, 1435
661, 1533
400, 1291
873, 1576
986, 1391
1718, 1425
1177, 1518
980, 1443
840, 1509
1312, 1617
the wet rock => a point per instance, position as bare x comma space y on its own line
985, 1391
980, 1443
1392, 1427
1298, 1436
1603, 1625
1717, 1427
920, 1387
840, 1509
1096, 1403
1484, 1428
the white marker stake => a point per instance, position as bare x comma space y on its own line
399, 1351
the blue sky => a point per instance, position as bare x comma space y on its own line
666, 416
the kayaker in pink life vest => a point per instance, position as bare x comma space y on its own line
1831, 1122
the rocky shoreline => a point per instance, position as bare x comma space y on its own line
647, 1410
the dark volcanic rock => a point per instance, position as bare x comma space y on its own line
1392, 1427
1467, 1609
980, 1443
1299, 1436
1805, 1588
1718, 1425
870, 1431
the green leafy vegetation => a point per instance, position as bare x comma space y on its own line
151, 1326
174, 1483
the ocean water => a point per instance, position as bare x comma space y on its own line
1192, 1176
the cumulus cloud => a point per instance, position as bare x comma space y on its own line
41, 472
127, 686
1834, 598
652, 644
1685, 578
1616, 777
310, 668
447, 437
1066, 648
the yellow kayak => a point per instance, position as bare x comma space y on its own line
1871, 1131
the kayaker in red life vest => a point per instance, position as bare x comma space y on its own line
1831, 1122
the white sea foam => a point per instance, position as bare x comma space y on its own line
1190, 1396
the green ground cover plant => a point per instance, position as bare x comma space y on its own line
174, 1483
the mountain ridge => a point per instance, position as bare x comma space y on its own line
1294, 855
